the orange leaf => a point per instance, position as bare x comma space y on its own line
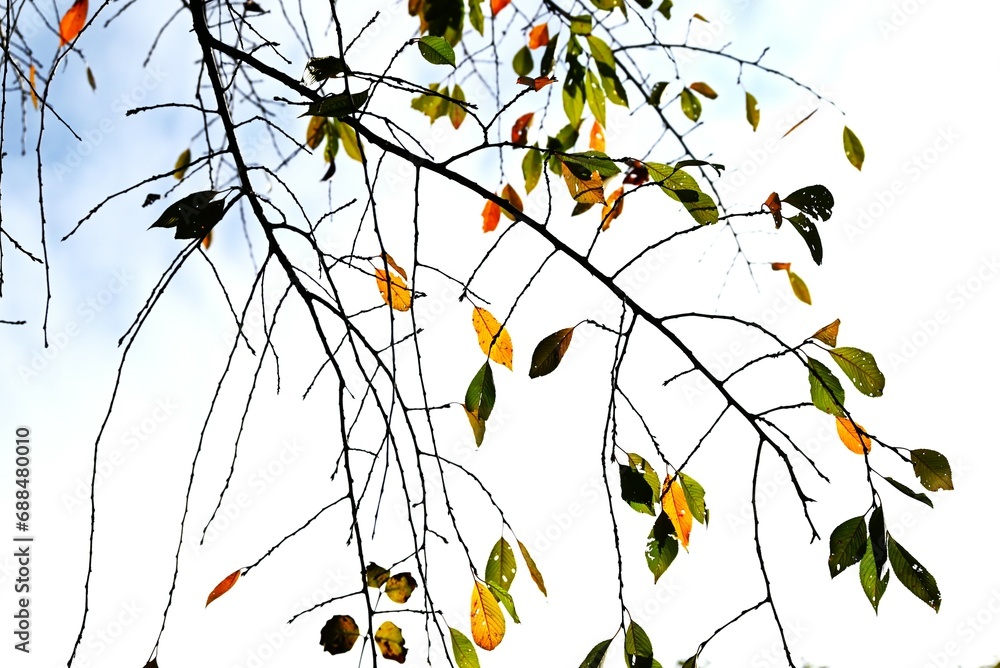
781, 266
207, 241
590, 191
393, 290
539, 36
537, 83
488, 328
511, 196
491, 216
856, 441
497, 5
773, 205
828, 334
488, 624
519, 133
613, 208
675, 505
224, 586
392, 263
31, 87
704, 89
72, 22
597, 141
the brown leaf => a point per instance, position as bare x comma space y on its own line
781, 266
808, 116
519, 132
339, 634
224, 586
773, 204
637, 174
207, 241
72, 22
538, 36
704, 89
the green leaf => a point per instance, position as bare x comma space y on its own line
504, 597
665, 8
595, 658
695, 495
432, 106
436, 50
635, 488
853, 149
523, 61
580, 208
444, 18
932, 469
847, 545
550, 350
810, 234
680, 186
584, 164
861, 368
536, 575
463, 649
581, 25
456, 112
482, 393
476, 19
320, 69
337, 105
614, 89
637, 643
656, 94
753, 113
814, 201
919, 496
913, 575
690, 105
661, 546
573, 92
799, 287
825, 389
873, 586
531, 167
876, 538
602, 54
595, 98
652, 480
502, 566
339, 634
548, 57
375, 575
193, 215
691, 663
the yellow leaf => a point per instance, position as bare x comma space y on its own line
316, 131
856, 441
828, 334
487, 329
392, 263
182, 164
31, 89
477, 423
349, 140
511, 196
400, 294
597, 139
675, 505
613, 208
799, 287
389, 639
590, 191
224, 586
488, 624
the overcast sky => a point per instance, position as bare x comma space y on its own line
911, 262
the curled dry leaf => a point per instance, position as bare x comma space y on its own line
224, 586
773, 204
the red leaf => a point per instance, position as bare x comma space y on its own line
72, 22
224, 586
519, 133
637, 174
537, 83
497, 5
539, 36
491, 216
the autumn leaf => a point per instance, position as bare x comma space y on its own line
389, 639
675, 505
753, 113
31, 86
400, 587
72, 22
637, 174
538, 36
533, 571
375, 575
780, 266
612, 209
457, 112
589, 191
828, 334
511, 196
549, 352
773, 204
799, 287
519, 131
487, 329
794, 127
497, 5
491, 216
224, 586
182, 164
477, 423
339, 634
488, 623
392, 263
704, 89
206, 243
856, 440
538, 83
316, 131
400, 295
597, 140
